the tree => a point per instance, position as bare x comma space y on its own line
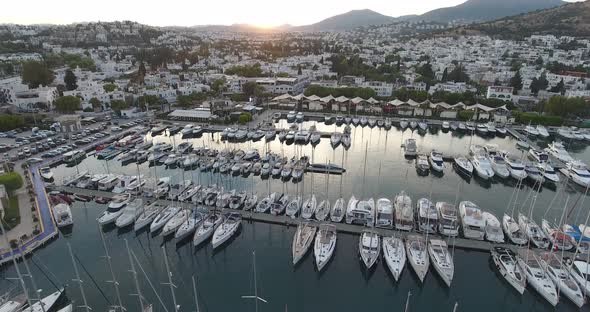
218, 86
299, 72
67, 104
322, 60
458, 74
12, 181
118, 105
141, 73
445, 75
251, 88
559, 88
96, 104
36, 74
564, 106
70, 80
516, 82
109, 87
10, 122
539, 61
244, 118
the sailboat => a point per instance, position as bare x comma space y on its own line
417, 254
293, 207
533, 232
174, 222
309, 207
147, 216
442, 260
325, 244
227, 229
506, 263
188, 226
395, 255
207, 227
562, 278
163, 217
369, 247
304, 236
255, 297
537, 276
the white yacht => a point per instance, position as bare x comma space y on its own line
538, 155
291, 116
534, 174
542, 131
422, 166
531, 131
384, 217
338, 211
463, 165
227, 229
446, 126
480, 162
188, 225
426, 216
363, 212
493, 228
394, 254
417, 253
565, 133
46, 174
577, 172
404, 212
146, 217
548, 172
499, 166
206, 228
472, 220
436, 161
293, 207
114, 210
309, 207
580, 271
163, 217
533, 232
560, 274
177, 219
448, 221
410, 148
122, 184
506, 263
515, 166
130, 213
369, 248
335, 139
62, 214
403, 123
162, 187
442, 260
304, 236
108, 183
513, 231
536, 276
325, 244
323, 210
482, 129
557, 150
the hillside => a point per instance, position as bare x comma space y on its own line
486, 10
571, 19
349, 20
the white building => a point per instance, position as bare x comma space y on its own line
500, 92
382, 89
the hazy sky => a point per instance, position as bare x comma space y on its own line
200, 12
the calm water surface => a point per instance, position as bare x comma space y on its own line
225, 275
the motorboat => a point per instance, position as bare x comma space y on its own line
108, 183
236, 200
188, 225
171, 160
559, 240
580, 271
227, 229
403, 123
364, 121
531, 131
309, 207
472, 220
506, 262
251, 154
335, 139
147, 216
236, 168
580, 236
493, 228
250, 202
548, 172
533, 232
446, 126
501, 129
523, 145
413, 124
324, 245
404, 212
462, 127
279, 205
188, 195
369, 247
454, 125
304, 236
162, 187
542, 131
534, 174
371, 122
557, 150
463, 165
270, 135
323, 210
290, 137
315, 138
561, 277
410, 147
566, 133
436, 161
499, 166
62, 214
241, 134
257, 135
184, 148
345, 140
536, 275
264, 205
417, 253
481, 129
265, 170
448, 219
245, 168
303, 136
577, 172
187, 130
481, 163
422, 125
538, 155
299, 117
287, 170
513, 231
177, 190
291, 116
122, 184
470, 126
422, 166
441, 259
362, 213
384, 217
387, 124
211, 195
206, 228
114, 210
46, 174
293, 207
338, 211
426, 216
491, 128
163, 217
516, 167
277, 169
130, 213
282, 135
394, 254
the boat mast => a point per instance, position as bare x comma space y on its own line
172, 286
365, 167
113, 279
134, 273
407, 309
13, 256
255, 297
455, 307
37, 290
78, 280
195, 294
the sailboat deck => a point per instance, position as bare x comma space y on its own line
461, 243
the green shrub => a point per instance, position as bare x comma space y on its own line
536, 119
465, 115
12, 181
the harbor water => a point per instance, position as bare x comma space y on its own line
224, 275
